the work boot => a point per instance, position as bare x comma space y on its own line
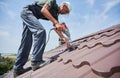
37, 65
20, 71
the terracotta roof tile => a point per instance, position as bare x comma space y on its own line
97, 56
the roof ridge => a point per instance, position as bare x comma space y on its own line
100, 32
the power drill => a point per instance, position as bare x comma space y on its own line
65, 35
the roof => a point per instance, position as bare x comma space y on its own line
97, 56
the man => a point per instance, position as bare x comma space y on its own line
33, 31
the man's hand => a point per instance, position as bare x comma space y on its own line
58, 27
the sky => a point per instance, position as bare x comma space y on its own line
86, 17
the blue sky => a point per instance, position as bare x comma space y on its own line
86, 17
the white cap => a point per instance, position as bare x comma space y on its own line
68, 5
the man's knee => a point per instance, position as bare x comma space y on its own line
41, 31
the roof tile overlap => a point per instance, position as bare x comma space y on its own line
97, 56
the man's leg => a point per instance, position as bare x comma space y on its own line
24, 49
39, 36
38, 33
23, 52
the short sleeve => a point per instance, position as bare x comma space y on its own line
51, 2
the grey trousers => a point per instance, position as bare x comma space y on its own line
33, 33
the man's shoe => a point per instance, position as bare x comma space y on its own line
37, 65
21, 71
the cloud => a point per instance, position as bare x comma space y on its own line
86, 18
110, 5
91, 2
4, 34
99, 18
4, 7
3, 4
11, 14
94, 21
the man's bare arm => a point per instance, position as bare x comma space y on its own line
46, 13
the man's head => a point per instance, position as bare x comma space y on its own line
65, 8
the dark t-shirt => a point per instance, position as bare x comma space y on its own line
37, 6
